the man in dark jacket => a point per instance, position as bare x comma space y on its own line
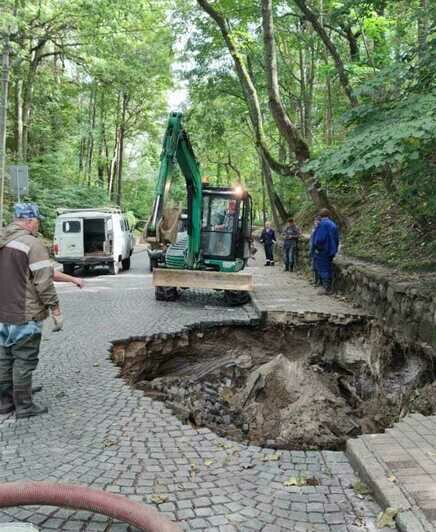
291, 234
325, 246
268, 239
27, 297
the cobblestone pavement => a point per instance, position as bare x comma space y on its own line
103, 434
401, 468
278, 291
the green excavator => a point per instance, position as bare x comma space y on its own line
212, 247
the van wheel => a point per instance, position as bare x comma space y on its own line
126, 264
68, 269
114, 268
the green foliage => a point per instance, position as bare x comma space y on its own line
70, 196
84, 75
384, 233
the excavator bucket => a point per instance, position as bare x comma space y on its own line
203, 279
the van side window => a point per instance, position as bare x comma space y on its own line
126, 223
72, 226
122, 224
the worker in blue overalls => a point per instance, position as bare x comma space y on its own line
325, 246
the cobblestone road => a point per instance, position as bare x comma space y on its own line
101, 433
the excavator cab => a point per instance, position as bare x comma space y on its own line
225, 228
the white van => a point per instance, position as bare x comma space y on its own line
91, 237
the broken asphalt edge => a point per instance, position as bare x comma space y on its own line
385, 492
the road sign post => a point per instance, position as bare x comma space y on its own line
19, 179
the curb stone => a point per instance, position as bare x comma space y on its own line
386, 493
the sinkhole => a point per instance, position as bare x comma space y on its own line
285, 386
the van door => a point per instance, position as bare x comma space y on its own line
71, 237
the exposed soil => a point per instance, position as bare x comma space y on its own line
308, 386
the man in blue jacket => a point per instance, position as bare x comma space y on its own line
325, 246
268, 239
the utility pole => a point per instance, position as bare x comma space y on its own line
3, 117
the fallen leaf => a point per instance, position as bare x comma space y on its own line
208, 462
271, 457
386, 518
361, 488
159, 499
295, 481
109, 442
301, 481
392, 478
97, 364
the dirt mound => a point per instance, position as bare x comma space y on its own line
290, 402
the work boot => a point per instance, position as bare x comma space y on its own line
6, 398
322, 291
24, 406
325, 289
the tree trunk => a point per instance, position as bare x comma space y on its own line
113, 165
328, 120
100, 137
423, 25
28, 97
120, 152
331, 48
90, 147
267, 177
19, 119
353, 44
283, 213
263, 197
3, 121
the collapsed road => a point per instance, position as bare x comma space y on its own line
101, 433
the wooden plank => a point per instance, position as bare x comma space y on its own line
202, 279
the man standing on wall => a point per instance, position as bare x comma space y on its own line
325, 246
27, 296
291, 234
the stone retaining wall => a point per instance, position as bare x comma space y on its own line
406, 308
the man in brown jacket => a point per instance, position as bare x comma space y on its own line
27, 297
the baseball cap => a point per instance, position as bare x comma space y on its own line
27, 211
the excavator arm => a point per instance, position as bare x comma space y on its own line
176, 148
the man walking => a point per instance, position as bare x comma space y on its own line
27, 296
325, 246
268, 239
291, 234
